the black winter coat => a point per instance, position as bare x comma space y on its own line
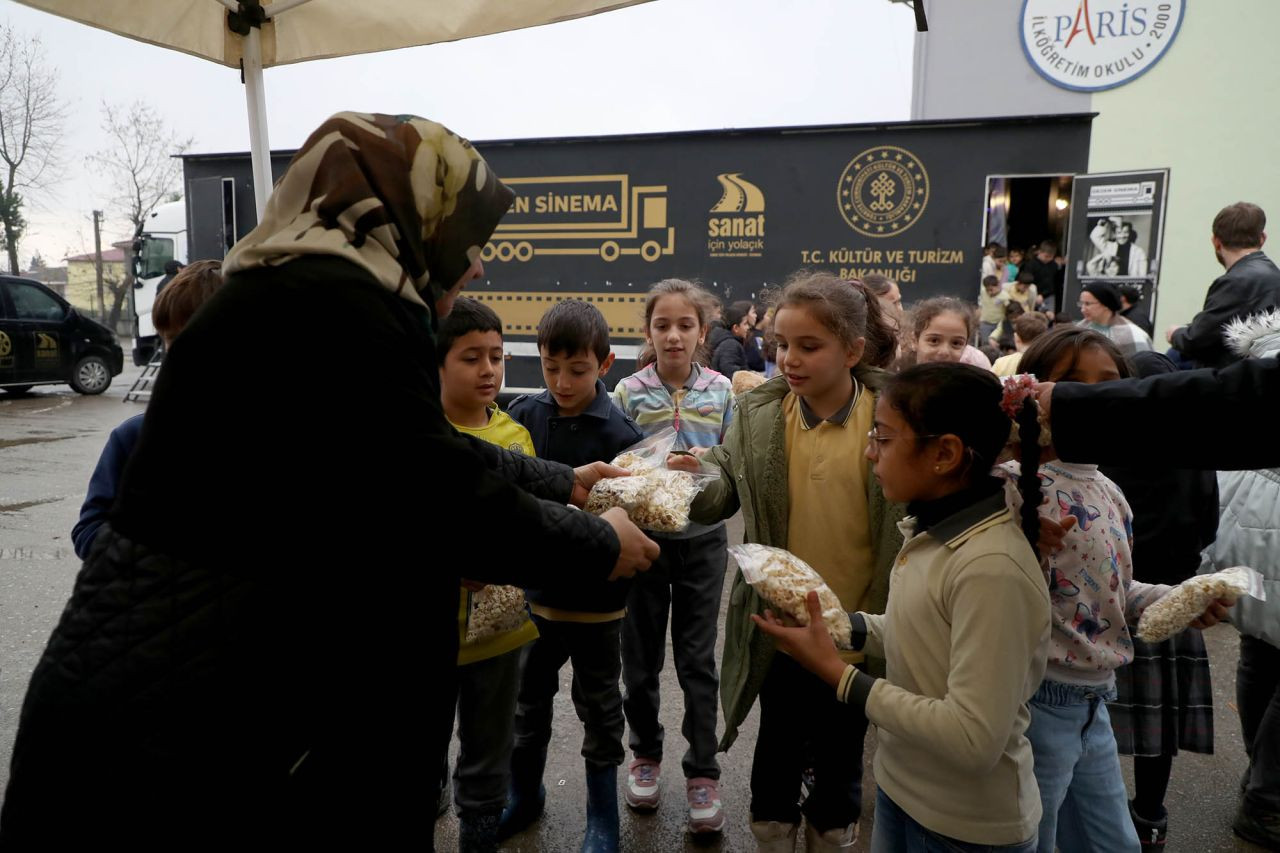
1213, 419
727, 352
1175, 510
261, 647
1251, 286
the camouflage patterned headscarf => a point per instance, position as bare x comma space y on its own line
403, 197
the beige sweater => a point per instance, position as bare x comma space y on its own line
965, 636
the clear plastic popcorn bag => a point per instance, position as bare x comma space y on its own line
1183, 604
494, 610
655, 497
784, 581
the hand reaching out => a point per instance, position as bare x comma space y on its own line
810, 645
587, 476
684, 462
1216, 612
636, 552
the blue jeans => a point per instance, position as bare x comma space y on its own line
897, 832
1078, 770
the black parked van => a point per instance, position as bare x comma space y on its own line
44, 341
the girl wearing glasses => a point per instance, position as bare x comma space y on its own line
966, 630
793, 460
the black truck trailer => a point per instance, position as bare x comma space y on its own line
603, 218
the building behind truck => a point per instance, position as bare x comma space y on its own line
216, 210
603, 218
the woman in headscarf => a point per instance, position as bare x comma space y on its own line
261, 645
1100, 305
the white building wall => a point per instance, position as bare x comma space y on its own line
1207, 111
971, 64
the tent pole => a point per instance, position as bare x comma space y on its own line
256, 98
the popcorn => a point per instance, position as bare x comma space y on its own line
654, 497
495, 610
1188, 600
657, 500
784, 581
634, 462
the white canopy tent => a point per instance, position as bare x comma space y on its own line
252, 35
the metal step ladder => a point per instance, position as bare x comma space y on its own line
141, 389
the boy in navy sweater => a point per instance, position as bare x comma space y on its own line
173, 309
574, 422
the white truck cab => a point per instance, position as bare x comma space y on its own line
162, 239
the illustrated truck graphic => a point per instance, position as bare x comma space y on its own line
596, 215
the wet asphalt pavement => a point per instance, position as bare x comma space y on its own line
50, 440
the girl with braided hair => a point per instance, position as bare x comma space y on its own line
1094, 600
966, 630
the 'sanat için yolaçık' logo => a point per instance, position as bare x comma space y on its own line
735, 228
883, 191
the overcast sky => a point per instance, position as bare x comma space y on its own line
659, 66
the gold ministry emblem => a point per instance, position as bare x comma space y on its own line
883, 191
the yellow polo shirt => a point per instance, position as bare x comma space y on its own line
1006, 365
504, 431
827, 508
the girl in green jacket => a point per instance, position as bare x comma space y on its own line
794, 461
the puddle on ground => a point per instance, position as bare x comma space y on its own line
14, 442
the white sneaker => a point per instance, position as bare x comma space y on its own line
644, 781
706, 814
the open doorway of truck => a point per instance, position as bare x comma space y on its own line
1022, 211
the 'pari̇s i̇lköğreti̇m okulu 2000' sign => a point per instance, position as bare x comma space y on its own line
1090, 45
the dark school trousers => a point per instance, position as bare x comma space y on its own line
1258, 698
803, 725
686, 581
594, 649
486, 732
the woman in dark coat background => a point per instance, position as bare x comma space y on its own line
261, 646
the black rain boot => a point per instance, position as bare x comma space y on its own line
528, 796
478, 831
602, 810
1151, 833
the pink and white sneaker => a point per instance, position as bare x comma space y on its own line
644, 780
706, 814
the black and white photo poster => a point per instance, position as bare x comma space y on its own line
1115, 235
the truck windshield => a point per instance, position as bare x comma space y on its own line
154, 254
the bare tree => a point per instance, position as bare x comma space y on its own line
140, 164
31, 117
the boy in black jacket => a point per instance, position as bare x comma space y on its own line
574, 419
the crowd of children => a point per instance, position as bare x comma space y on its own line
872, 454
1003, 661
885, 453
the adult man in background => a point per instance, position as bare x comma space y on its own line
1251, 284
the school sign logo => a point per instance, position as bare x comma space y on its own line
1091, 45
